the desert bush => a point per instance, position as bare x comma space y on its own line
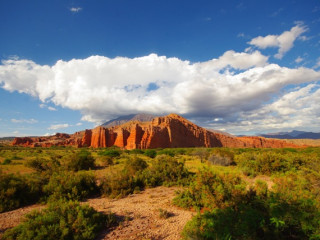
165, 170
136, 151
163, 213
43, 165
202, 153
265, 162
167, 151
17, 190
289, 211
82, 160
150, 153
106, 161
61, 220
180, 151
134, 165
71, 185
136, 175
117, 184
211, 189
222, 157
37, 164
6, 161
111, 153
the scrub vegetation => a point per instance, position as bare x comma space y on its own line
236, 193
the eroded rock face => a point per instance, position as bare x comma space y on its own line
162, 132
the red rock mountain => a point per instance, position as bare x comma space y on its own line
162, 132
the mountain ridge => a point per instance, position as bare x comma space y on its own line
292, 135
171, 131
142, 117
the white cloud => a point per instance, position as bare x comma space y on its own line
75, 9
317, 65
58, 126
101, 88
283, 41
30, 121
298, 59
79, 124
52, 109
42, 105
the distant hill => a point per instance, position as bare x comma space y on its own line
6, 138
292, 135
171, 131
141, 117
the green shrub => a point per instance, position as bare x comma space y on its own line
136, 151
151, 153
70, 185
212, 190
163, 213
15, 157
180, 151
167, 151
165, 170
111, 153
82, 160
17, 190
136, 175
62, 220
264, 162
106, 161
290, 211
36, 164
202, 153
134, 165
222, 157
43, 165
119, 184
7, 161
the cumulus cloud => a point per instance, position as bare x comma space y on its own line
30, 121
58, 126
101, 88
296, 109
283, 41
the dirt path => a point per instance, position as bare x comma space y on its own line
139, 215
13, 218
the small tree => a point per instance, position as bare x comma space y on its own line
202, 153
82, 160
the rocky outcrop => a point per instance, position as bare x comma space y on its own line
170, 131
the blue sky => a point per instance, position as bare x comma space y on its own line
240, 66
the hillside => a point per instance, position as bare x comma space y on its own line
292, 135
141, 117
171, 131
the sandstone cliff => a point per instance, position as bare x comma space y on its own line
170, 131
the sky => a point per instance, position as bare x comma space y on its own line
244, 67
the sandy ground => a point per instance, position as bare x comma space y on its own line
13, 218
141, 216
138, 214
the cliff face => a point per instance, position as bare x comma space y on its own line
162, 132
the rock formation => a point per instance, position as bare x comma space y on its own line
170, 131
